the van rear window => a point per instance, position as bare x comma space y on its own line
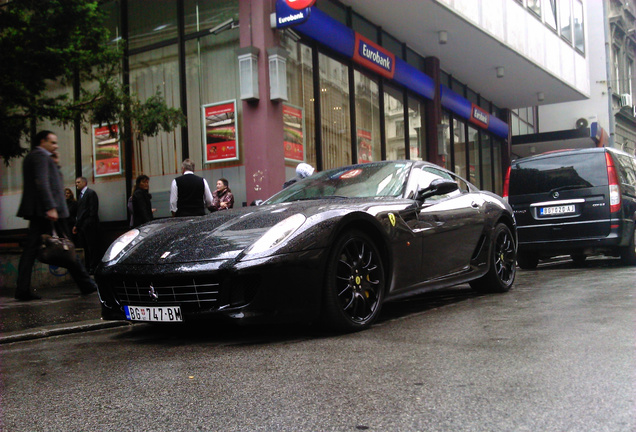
558, 172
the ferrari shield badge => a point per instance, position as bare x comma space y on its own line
392, 219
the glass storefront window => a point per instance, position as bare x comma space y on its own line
149, 25
486, 162
207, 59
497, 144
394, 123
367, 118
459, 148
301, 94
151, 71
336, 121
417, 130
444, 142
365, 28
474, 176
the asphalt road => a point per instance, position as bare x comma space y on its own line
557, 353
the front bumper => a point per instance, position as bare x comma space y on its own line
283, 288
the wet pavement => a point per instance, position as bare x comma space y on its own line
61, 310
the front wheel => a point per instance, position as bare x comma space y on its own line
355, 283
502, 268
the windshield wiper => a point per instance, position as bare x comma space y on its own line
568, 187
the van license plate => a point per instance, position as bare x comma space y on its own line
153, 313
556, 210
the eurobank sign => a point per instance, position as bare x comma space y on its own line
317, 25
373, 57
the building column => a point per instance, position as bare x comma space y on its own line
262, 121
433, 111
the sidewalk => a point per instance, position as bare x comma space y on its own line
62, 310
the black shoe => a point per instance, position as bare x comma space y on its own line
27, 297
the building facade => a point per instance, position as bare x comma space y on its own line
611, 28
265, 86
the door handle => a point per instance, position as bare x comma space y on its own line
474, 204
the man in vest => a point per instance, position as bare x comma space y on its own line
189, 194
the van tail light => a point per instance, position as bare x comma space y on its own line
506, 185
614, 185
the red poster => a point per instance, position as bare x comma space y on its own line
106, 151
220, 132
365, 146
293, 139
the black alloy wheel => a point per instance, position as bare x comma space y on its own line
502, 268
355, 283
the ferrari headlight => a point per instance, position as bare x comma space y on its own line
118, 245
277, 234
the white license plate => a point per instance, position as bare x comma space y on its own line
557, 210
153, 313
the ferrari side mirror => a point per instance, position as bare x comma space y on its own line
438, 186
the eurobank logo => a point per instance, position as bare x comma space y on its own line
374, 57
479, 116
289, 13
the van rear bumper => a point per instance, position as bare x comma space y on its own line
607, 245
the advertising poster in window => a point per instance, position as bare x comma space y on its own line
365, 146
106, 151
220, 136
293, 138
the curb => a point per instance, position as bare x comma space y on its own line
61, 329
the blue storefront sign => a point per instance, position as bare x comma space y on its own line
340, 38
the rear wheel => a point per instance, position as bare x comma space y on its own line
527, 261
628, 253
502, 270
355, 283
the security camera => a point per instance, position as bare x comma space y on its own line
225, 25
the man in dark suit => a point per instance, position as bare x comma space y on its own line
87, 223
189, 194
43, 204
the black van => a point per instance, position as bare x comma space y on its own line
574, 202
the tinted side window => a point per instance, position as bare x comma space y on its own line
569, 171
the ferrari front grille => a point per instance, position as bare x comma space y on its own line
194, 295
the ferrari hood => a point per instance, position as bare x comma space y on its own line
224, 235
218, 236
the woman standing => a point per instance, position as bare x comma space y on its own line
222, 197
141, 207
71, 203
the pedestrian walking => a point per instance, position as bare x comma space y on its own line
302, 170
87, 223
142, 210
222, 197
189, 194
43, 205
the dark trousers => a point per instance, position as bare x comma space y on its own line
91, 241
37, 227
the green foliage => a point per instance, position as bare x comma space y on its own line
55, 41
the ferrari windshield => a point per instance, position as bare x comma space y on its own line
380, 179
